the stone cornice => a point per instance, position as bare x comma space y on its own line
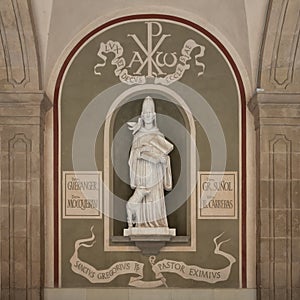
275, 109
274, 98
20, 96
19, 102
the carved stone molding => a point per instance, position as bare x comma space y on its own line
280, 60
280, 235
19, 209
18, 58
270, 109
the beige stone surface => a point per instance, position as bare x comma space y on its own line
21, 256
19, 57
280, 65
278, 220
145, 294
72, 294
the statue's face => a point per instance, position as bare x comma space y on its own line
148, 115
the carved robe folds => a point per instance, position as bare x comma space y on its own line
150, 174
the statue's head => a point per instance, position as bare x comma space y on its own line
148, 111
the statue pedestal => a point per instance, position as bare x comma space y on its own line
150, 240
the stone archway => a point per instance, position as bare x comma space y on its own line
189, 164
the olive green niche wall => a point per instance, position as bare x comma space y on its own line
217, 86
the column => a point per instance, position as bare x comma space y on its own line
277, 123
21, 204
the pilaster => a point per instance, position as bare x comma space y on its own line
21, 205
277, 122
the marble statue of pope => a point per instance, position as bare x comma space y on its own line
150, 171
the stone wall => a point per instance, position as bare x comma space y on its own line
22, 109
276, 110
21, 123
278, 214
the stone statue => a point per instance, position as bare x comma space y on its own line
150, 171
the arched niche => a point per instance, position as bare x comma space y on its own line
172, 113
215, 97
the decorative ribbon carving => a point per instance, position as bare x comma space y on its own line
122, 72
164, 266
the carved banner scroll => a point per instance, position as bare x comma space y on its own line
101, 276
164, 266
